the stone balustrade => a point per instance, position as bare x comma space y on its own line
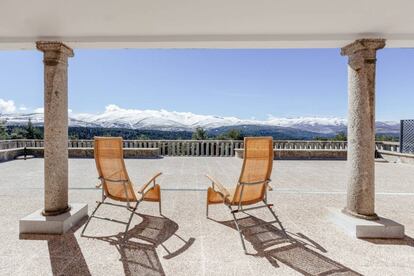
201, 147
87, 152
388, 146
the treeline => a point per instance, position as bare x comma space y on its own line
20, 132
232, 134
86, 133
343, 137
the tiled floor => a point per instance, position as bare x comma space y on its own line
185, 242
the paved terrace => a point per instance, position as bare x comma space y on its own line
190, 244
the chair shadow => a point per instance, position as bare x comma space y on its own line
295, 250
138, 247
65, 254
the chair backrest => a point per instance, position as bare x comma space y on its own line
109, 159
257, 168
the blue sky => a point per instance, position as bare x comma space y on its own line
241, 83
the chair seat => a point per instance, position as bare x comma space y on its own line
215, 197
153, 194
249, 201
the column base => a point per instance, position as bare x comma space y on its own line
361, 228
366, 217
55, 213
37, 223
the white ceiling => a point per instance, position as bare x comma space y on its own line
205, 23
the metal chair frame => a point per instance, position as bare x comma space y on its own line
128, 205
241, 209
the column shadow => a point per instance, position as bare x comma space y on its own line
65, 254
408, 241
295, 250
138, 247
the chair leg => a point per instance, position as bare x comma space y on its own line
159, 206
159, 201
130, 219
207, 201
90, 217
278, 221
207, 210
239, 230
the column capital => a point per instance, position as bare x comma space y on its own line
363, 44
54, 52
362, 51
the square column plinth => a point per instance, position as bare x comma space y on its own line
37, 223
361, 228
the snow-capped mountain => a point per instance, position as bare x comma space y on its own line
116, 117
314, 124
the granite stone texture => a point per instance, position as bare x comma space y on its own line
361, 126
55, 60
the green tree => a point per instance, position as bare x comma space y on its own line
143, 137
73, 136
385, 137
18, 133
235, 134
32, 132
200, 134
341, 136
3, 131
232, 134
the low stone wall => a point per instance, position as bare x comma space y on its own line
88, 152
304, 154
397, 157
142, 153
10, 154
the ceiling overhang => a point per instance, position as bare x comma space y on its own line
205, 24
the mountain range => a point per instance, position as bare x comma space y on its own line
116, 117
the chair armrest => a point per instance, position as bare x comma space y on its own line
221, 189
144, 187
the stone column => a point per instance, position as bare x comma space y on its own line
55, 61
361, 127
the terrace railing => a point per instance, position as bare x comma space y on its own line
20, 143
388, 146
202, 147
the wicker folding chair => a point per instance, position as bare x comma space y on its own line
252, 185
115, 182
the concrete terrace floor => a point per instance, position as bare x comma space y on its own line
186, 243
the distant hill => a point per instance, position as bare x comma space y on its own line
280, 133
115, 117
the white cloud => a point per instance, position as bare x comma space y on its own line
39, 110
22, 108
112, 108
7, 106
